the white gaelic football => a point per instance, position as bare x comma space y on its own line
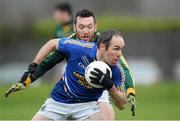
96, 64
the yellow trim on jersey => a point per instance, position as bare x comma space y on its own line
127, 66
124, 61
122, 72
75, 42
130, 90
65, 89
62, 78
71, 35
28, 81
120, 88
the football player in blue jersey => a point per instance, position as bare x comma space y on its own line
85, 29
72, 97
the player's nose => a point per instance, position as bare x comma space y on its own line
86, 31
119, 53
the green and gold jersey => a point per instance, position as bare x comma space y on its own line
56, 57
64, 30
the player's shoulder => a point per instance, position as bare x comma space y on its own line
78, 43
118, 72
117, 68
72, 36
73, 46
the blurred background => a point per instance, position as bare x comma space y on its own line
151, 29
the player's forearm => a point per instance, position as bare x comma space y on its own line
119, 98
50, 61
45, 50
129, 81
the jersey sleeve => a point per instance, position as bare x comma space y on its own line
49, 62
118, 77
129, 80
63, 46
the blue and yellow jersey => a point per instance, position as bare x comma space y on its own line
72, 87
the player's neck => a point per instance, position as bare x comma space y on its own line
99, 56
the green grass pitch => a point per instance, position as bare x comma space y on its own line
159, 101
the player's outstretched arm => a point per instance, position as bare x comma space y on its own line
118, 98
30, 74
27, 78
49, 62
45, 50
129, 83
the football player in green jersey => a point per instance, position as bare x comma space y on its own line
64, 19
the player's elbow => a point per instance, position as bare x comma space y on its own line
122, 104
122, 107
53, 43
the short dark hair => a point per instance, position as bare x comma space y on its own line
106, 36
64, 7
84, 13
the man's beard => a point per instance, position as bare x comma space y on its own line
86, 37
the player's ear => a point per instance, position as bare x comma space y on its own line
102, 46
74, 28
